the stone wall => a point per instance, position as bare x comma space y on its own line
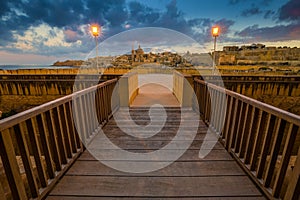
19, 92
259, 56
19, 103
22, 89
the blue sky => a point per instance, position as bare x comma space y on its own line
43, 31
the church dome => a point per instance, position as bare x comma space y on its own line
140, 50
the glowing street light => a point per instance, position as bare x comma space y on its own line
215, 33
95, 29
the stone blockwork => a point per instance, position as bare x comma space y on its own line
21, 91
259, 54
18, 103
288, 103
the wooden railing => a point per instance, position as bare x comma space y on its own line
183, 89
39, 145
263, 139
128, 88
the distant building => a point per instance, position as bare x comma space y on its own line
230, 48
138, 57
258, 54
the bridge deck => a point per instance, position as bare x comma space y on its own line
151, 94
217, 176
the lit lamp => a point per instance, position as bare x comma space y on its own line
215, 33
95, 29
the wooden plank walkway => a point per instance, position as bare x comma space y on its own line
152, 93
217, 176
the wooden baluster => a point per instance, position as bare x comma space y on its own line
92, 103
83, 120
227, 119
45, 146
103, 108
70, 127
58, 136
240, 123
293, 190
201, 101
97, 106
109, 87
64, 130
11, 167
213, 108
222, 113
100, 105
258, 135
198, 99
286, 155
107, 108
266, 143
207, 104
91, 111
47, 122
87, 114
243, 131
217, 111
233, 127
277, 138
94, 100
19, 133
77, 122
33, 137
104, 91
251, 134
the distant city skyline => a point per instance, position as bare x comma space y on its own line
43, 31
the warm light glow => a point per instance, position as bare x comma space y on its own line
215, 31
95, 30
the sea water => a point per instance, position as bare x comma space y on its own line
14, 67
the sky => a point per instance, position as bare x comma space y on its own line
44, 31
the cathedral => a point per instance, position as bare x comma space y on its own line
137, 55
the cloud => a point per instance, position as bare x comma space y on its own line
172, 18
225, 25
59, 13
269, 14
275, 33
66, 23
19, 16
233, 2
290, 11
264, 2
290, 30
254, 10
70, 36
141, 14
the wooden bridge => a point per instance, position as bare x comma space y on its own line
251, 153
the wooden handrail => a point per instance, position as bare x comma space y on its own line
45, 140
263, 139
15, 119
268, 108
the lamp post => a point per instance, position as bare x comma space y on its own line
215, 33
95, 29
